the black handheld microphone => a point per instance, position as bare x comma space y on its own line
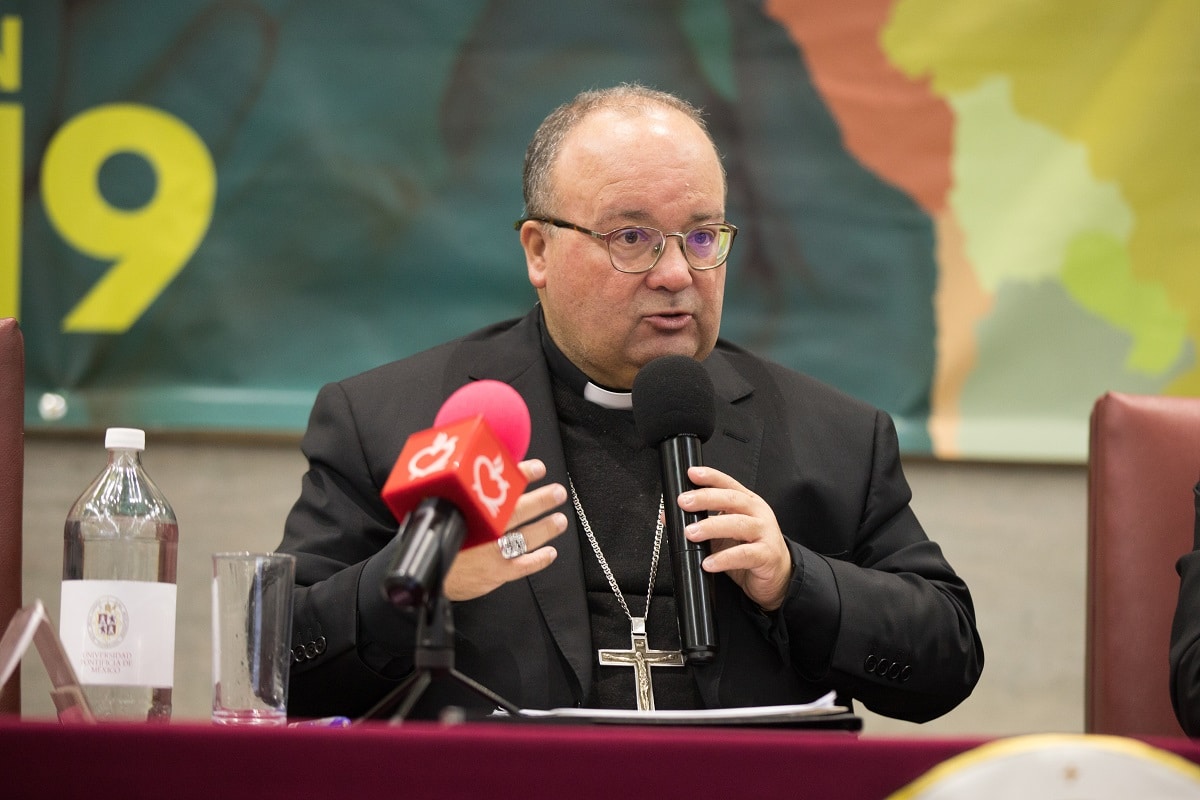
674, 408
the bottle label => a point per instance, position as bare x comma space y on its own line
119, 633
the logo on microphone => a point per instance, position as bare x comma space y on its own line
492, 488
432, 458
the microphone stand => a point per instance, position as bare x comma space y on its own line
434, 654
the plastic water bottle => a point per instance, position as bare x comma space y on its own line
117, 618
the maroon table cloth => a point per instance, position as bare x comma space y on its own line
475, 760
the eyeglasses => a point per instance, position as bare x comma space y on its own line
638, 248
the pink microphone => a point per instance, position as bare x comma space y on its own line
501, 406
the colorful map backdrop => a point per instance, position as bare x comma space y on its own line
978, 216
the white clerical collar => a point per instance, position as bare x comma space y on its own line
574, 377
607, 398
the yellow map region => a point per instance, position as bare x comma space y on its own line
1075, 181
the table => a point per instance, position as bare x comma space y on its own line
475, 760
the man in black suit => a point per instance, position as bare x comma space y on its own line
1185, 637
824, 578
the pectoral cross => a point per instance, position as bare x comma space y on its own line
641, 658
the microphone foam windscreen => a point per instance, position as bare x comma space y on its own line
673, 395
502, 408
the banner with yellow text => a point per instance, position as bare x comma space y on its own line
979, 217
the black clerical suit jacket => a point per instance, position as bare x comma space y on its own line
1185, 637
873, 610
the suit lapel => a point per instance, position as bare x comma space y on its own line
736, 443
515, 357
559, 588
734, 448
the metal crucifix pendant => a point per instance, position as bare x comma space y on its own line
641, 658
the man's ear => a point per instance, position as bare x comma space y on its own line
534, 242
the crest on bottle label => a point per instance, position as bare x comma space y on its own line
107, 621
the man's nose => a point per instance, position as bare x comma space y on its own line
672, 270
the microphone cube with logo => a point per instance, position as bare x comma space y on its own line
464, 463
455, 486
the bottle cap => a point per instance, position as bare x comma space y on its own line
124, 439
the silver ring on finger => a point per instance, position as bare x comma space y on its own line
512, 544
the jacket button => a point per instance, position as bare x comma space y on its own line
894, 671
905, 673
319, 645
869, 664
882, 669
298, 654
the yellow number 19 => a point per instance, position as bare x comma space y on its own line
149, 245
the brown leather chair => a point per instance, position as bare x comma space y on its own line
1143, 462
12, 474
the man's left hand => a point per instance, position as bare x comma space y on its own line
744, 535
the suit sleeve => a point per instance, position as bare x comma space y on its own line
349, 644
879, 614
1185, 637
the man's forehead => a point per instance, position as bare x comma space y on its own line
619, 122
613, 147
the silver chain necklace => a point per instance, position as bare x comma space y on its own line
612, 581
639, 655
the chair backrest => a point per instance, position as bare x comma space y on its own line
1143, 463
12, 474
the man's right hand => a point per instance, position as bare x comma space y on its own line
480, 569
